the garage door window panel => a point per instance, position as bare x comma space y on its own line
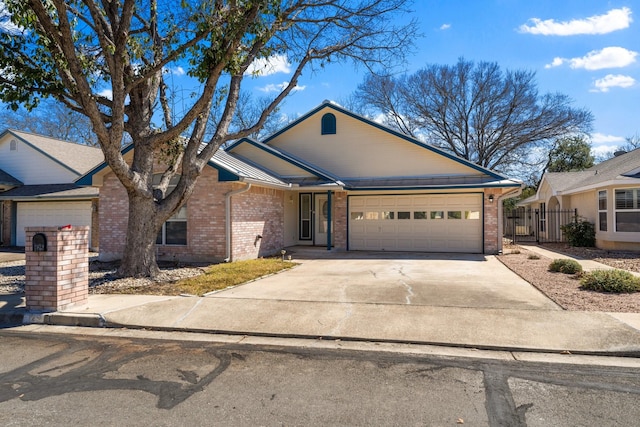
454, 215
404, 215
419, 215
437, 214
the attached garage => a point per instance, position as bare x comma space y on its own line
51, 214
417, 222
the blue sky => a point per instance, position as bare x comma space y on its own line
587, 49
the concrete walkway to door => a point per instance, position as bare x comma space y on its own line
403, 278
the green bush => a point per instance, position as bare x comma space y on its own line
534, 256
566, 266
580, 233
617, 281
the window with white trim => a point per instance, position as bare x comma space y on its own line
174, 230
602, 210
627, 210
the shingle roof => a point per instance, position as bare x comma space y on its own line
611, 169
50, 191
77, 157
7, 179
622, 165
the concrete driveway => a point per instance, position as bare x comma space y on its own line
443, 280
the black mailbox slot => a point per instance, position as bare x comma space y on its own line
39, 242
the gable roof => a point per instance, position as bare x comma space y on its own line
333, 106
267, 164
624, 167
75, 157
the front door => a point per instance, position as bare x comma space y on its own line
321, 216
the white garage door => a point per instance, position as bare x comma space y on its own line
425, 223
50, 214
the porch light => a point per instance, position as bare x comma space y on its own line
490, 198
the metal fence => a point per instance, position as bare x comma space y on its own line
535, 225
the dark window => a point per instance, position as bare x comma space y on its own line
174, 231
305, 216
404, 215
328, 124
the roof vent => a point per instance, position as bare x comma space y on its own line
619, 153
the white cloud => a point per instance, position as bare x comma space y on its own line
445, 26
613, 80
280, 87
271, 65
601, 138
557, 61
615, 19
609, 57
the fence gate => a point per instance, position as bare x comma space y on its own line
535, 225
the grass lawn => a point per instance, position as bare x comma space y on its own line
221, 276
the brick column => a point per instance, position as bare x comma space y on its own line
58, 277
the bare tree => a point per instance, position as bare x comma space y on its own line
52, 119
476, 111
107, 60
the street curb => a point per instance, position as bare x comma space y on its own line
630, 353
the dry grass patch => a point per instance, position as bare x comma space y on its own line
222, 276
188, 279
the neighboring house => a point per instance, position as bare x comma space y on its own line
607, 194
331, 179
37, 188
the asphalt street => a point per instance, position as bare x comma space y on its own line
67, 379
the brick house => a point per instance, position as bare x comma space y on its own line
331, 179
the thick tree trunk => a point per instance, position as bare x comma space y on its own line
139, 257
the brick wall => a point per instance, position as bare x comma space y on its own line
257, 212
112, 214
340, 220
57, 278
491, 236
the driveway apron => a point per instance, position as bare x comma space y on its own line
443, 280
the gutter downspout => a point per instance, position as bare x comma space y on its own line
227, 217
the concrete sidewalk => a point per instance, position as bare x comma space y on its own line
493, 329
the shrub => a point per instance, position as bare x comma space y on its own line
617, 281
580, 232
534, 256
566, 266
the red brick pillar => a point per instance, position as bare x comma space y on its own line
57, 276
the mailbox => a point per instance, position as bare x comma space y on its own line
39, 242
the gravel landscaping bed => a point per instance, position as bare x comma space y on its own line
102, 279
565, 289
